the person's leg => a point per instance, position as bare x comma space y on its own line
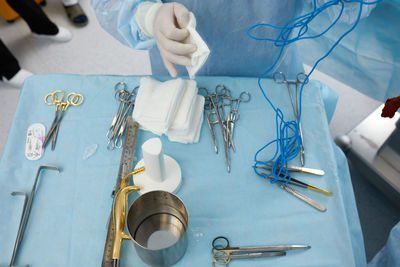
35, 17
69, 2
40, 25
10, 71
75, 12
8, 64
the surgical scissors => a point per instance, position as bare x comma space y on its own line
72, 99
280, 78
223, 252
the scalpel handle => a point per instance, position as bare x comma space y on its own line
306, 199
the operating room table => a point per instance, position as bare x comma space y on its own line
68, 221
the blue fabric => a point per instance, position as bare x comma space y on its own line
330, 98
118, 18
222, 25
67, 226
390, 254
368, 59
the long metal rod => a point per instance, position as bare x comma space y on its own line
32, 194
27, 210
19, 237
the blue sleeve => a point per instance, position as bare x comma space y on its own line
390, 254
118, 17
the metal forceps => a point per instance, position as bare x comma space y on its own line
73, 99
117, 128
234, 114
280, 78
56, 100
299, 183
207, 112
221, 90
223, 252
226, 101
211, 123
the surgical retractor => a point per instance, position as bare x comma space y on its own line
27, 209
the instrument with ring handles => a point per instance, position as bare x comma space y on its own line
56, 98
223, 253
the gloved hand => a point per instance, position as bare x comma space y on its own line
169, 32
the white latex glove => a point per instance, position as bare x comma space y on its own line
169, 31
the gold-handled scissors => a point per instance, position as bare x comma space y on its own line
223, 252
56, 98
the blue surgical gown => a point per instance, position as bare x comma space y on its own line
389, 256
223, 26
367, 59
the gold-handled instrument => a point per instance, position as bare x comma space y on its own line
296, 182
125, 167
299, 183
119, 214
295, 193
156, 212
56, 98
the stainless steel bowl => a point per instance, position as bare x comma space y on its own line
157, 223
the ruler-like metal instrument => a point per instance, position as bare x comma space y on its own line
126, 165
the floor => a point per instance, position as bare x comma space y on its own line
93, 51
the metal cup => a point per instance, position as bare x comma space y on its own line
157, 222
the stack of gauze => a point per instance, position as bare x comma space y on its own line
172, 108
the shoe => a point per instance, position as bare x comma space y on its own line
63, 35
76, 15
18, 79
